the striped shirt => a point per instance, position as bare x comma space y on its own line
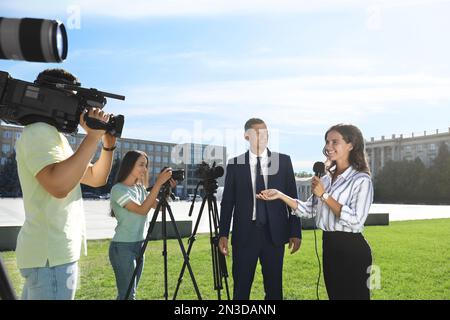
353, 190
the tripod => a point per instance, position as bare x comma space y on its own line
219, 264
163, 206
6, 288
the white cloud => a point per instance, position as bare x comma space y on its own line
172, 8
293, 63
292, 101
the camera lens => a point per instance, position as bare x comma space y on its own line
37, 40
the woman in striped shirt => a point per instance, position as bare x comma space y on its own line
345, 194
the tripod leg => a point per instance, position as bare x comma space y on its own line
214, 253
164, 253
221, 258
142, 252
186, 257
191, 243
6, 288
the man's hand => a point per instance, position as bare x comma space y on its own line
294, 243
98, 114
223, 245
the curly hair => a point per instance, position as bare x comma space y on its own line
358, 157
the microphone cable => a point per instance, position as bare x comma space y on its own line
314, 208
319, 171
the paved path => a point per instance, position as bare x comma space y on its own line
101, 226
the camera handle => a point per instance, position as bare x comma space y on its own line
94, 123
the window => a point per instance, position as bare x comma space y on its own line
432, 147
7, 134
150, 148
3, 161
18, 135
158, 148
142, 147
165, 148
6, 148
158, 159
127, 145
165, 160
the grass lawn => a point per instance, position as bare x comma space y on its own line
413, 259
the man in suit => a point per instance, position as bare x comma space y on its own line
260, 229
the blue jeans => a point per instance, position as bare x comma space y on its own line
50, 283
123, 257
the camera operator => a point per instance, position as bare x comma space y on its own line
50, 173
130, 205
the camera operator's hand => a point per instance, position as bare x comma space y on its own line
163, 177
94, 113
108, 140
173, 183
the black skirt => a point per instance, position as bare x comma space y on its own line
346, 261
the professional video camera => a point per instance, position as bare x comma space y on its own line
50, 100
205, 172
54, 102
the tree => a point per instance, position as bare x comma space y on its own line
439, 176
303, 174
10, 185
401, 182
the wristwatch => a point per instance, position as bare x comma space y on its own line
324, 197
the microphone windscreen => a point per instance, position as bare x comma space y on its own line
319, 168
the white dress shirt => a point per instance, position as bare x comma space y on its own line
264, 167
353, 190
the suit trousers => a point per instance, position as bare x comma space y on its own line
245, 257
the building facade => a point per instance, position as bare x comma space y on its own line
161, 154
303, 188
397, 148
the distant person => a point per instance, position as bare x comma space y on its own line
260, 229
345, 194
50, 173
130, 205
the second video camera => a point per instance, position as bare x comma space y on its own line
206, 172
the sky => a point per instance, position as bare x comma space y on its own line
196, 70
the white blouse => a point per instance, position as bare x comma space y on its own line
353, 190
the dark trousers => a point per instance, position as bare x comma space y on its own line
346, 259
245, 258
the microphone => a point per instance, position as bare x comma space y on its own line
319, 169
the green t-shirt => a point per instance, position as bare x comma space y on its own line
54, 229
131, 227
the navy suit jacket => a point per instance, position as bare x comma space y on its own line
237, 200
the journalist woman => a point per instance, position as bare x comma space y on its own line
344, 196
130, 205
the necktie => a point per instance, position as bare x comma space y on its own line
261, 206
